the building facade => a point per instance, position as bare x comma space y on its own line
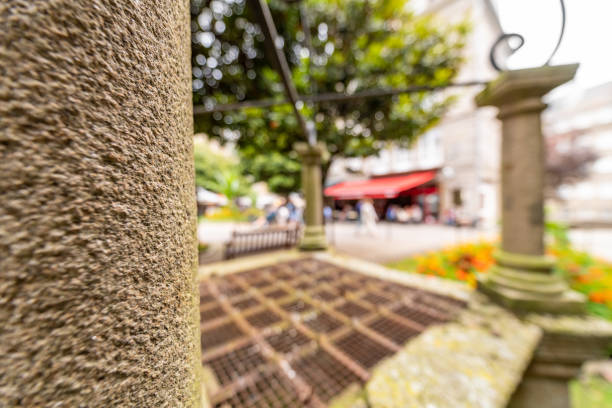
582, 122
464, 146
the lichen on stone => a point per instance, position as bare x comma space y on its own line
476, 362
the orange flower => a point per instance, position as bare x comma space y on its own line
601, 296
461, 274
593, 274
471, 280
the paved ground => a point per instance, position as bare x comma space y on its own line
215, 234
595, 241
390, 242
393, 241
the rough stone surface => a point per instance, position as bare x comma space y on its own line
97, 218
518, 95
475, 362
523, 278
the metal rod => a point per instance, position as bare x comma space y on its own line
330, 97
275, 44
560, 33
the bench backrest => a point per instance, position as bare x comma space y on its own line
261, 240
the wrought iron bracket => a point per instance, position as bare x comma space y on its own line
506, 36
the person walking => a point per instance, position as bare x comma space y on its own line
369, 216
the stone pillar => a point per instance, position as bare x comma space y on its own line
522, 278
98, 297
314, 234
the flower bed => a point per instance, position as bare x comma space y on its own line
233, 214
585, 274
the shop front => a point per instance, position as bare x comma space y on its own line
406, 197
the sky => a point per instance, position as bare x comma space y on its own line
587, 39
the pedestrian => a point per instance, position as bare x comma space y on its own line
417, 214
327, 214
368, 216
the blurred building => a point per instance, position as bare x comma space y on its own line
577, 122
464, 148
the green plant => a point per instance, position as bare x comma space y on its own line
558, 232
230, 183
356, 45
583, 272
233, 213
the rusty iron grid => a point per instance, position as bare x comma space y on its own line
298, 333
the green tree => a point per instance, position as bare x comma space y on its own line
219, 173
231, 183
357, 45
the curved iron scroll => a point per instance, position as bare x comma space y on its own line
505, 36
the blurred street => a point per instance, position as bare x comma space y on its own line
393, 242
396, 241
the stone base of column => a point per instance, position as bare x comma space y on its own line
314, 238
567, 343
527, 284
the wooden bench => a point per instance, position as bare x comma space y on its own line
261, 240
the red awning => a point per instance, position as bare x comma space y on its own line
383, 187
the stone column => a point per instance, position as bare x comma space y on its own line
523, 277
98, 297
314, 234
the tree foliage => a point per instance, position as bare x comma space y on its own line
219, 173
356, 45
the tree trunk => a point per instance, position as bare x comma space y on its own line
98, 297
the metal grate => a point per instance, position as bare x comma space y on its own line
297, 306
229, 289
418, 316
211, 313
270, 390
231, 366
324, 279
260, 283
252, 275
393, 330
346, 287
206, 298
445, 299
262, 319
375, 299
397, 289
325, 295
444, 305
287, 340
246, 303
327, 376
352, 309
323, 323
205, 295
363, 349
245, 342
218, 335
306, 284
284, 275
277, 294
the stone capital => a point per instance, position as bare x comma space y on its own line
311, 154
521, 90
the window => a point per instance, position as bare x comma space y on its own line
457, 199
